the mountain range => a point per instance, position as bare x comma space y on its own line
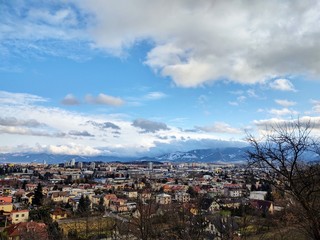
215, 155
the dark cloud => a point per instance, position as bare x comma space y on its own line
191, 130
14, 122
80, 133
163, 137
104, 125
70, 100
149, 126
110, 125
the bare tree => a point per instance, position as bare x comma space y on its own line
282, 154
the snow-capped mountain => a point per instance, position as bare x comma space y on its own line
207, 155
212, 155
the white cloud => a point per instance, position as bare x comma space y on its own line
252, 93
55, 128
285, 103
199, 42
219, 127
20, 98
240, 99
192, 42
70, 149
282, 85
316, 106
28, 131
59, 17
283, 112
104, 100
155, 96
266, 125
233, 103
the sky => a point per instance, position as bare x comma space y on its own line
144, 78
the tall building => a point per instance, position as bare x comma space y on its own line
150, 165
80, 165
93, 165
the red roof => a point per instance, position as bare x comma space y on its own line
27, 229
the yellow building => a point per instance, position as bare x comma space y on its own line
7, 207
19, 216
58, 213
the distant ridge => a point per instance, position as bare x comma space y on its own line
214, 155
211, 155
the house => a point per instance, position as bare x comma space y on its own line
96, 199
108, 198
232, 190
260, 195
6, 207
231, 203
60, 196
163, 198
18, 216
144, 196
118, 205
131, 194
58, 213
182, 197
5, 199
27, 230
31, 186
210, 205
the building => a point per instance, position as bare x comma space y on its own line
6, 207
163, 198
60, 196
259, 195
182, 197
58, 213
5, 199
118, 205
18, 216
27, 230
232, 190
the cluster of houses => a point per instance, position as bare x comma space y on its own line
119, 187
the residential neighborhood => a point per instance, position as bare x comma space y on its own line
100, 200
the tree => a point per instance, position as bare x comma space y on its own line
282, 154
101, 205
42, 214
84, 205
24, 183
192, 192
38, 196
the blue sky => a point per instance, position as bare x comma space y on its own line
133, 78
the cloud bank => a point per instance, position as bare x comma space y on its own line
193, 43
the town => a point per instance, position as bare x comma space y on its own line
139, 200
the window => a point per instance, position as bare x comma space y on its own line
22, 215
17, 215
